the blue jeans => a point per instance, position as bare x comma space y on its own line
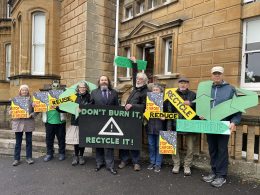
124, 155
18, 144
153, 143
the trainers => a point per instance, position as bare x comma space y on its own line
209, 178
218, 182
137, 167
47, 158
157, 169
187, 171
81, 160
61, 157
176, 169
16, 162
122, 165
75, 160
150, 166
30, 161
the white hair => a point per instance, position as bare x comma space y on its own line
142, 75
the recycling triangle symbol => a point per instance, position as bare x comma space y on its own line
111, 128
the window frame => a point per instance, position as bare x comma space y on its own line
138, 6
154, 4
8, 60
250, 86
167, 54
34, 45
129, 7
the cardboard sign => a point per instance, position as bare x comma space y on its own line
110, 127
53, 96
203, 126
168, 142
177, 102
246, 99
127, 63
40, 101
20, 107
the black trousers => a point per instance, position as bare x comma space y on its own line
105, 156
218, 151
60, 131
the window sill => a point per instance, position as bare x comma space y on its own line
149, 10
122, 79
29, 76
167, 76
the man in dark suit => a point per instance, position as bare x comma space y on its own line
105, 95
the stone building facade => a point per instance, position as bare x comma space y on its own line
72, 40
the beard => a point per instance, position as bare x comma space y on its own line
139, 85
103, 87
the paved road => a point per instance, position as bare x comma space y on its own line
57, 177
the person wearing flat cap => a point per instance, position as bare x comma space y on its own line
188, 96
221, 91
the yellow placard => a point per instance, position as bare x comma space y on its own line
53, 103
18, 112
177, 102
165, 147
39, 106
166, 115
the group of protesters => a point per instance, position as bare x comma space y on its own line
55, 124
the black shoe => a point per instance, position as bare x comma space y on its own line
61, 157
98, 167
47, 158
112, 171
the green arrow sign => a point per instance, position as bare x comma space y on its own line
236, 104
127, 63
203, 126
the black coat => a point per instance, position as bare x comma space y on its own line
185, 95
97, 97
138, 97
82, 99
155, 125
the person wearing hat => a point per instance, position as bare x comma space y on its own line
221, 91
20, 125
188, 96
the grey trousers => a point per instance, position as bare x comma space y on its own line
190, 138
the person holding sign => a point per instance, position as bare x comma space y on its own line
55, 125
155, 125
220, 92
137, 99
20, 125
72, 134
105, 95
188, 96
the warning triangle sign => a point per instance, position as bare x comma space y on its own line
111, 128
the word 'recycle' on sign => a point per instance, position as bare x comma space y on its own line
110, 127
185, 110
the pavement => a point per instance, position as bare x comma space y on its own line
55, 177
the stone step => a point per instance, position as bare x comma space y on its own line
37, 135
39, 148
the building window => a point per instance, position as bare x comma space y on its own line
128, 55
140, 7
38, 43
250, 77
7, 60
8, 10
165, 1
152, 4
250, 1
129, 12
168, 57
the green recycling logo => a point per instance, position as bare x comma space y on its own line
236, 104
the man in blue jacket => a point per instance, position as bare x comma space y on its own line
221, 91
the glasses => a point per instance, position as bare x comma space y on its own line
82, 87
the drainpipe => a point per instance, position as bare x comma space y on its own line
116, 41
